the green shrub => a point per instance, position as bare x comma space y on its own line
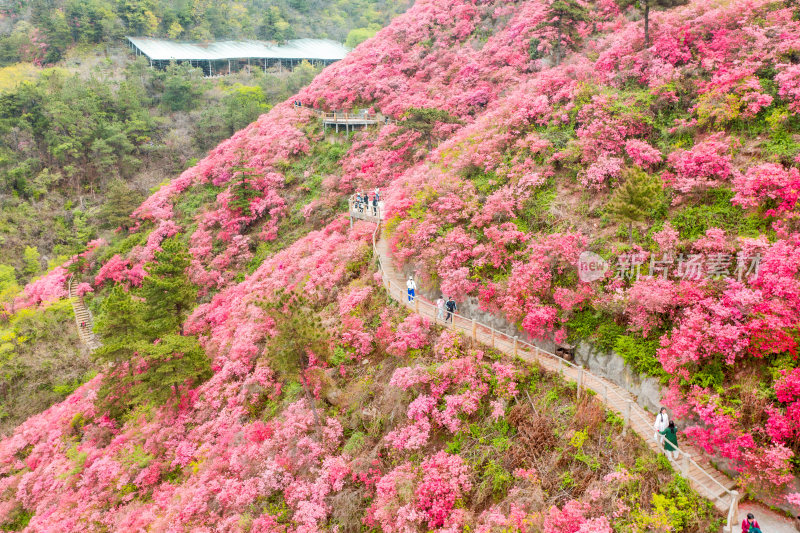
716, 210
17, 519
355, 443
640, 354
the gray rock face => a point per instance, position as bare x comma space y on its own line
613, 367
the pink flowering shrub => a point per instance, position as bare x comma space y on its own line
440, 481
771, 183
493, 215
708, 164
789, 86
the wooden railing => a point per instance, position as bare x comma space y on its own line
612, 396
345, 118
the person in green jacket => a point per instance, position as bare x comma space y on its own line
670, 441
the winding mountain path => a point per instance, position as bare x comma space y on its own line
83, 318
692, 464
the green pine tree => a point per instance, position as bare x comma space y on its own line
635, 199
563, 16
120, 202
119, 324
143, 329
424, 120
242, 190
169, 294
164, 367
300, 331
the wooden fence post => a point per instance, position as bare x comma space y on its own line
416, 304
733, 511
492, 336
685, 465
627, 417
580, 382
474, 330
515, 344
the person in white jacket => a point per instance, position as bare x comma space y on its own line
661, 423
412, 287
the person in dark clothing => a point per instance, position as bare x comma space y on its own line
451, 308
671, 440
750, 524
375, 205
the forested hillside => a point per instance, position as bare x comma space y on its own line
41, 31
255, 375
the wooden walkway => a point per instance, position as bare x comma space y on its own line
83, 319
693, 465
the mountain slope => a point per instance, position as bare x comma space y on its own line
382, 419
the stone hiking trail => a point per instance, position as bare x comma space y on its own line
692, 463
83, 318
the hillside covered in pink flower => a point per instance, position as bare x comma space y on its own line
276, 387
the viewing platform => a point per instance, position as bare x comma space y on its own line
351, 121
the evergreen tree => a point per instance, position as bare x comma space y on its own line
164, 366
147, 334
299, 332
424, 121
120, 202
563, 16
183, 85
169, 294
635, 200
242, 190
120, 326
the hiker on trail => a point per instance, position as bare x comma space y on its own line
750, 524
375, 205
366, 201
661, 423
671, 441
451, 308
411, 288
440, 308
359, 205
83, 325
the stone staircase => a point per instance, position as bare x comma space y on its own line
83, 318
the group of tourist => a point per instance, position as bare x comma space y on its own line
445, 308
362, 202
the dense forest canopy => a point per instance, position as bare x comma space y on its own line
43, 30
